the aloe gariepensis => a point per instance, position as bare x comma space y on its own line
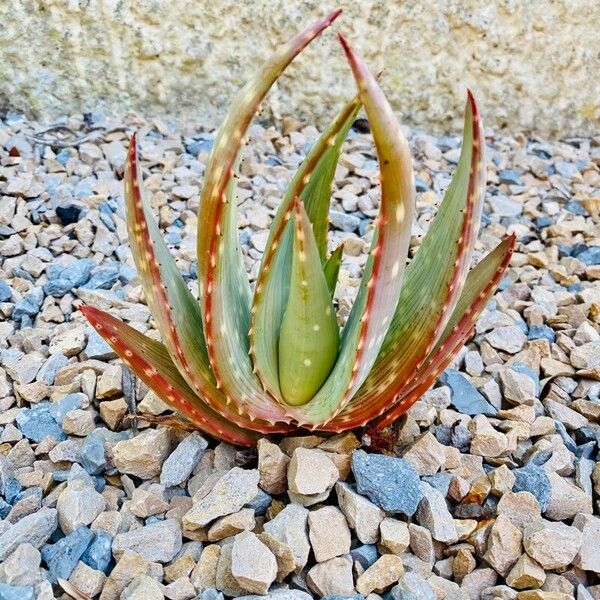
239, 366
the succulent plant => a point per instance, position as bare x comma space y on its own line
238, 366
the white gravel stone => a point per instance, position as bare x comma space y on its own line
228, 495
143, 455
586, 356
588, 558
311, 471
503, 546
328, 533
157, 542
553, 545
332, 577
509, 339
290, 527
566, 499
433, 514
253, 565
34, 529
362, 515
272, 466
78, 504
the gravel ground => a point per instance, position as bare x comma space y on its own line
494, 489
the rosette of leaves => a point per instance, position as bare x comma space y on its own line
237, 364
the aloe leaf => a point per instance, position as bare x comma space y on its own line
224, 298
332, 268
151, 362
380, 287
175, 310
435, 277
480, 285
309, 338
312, 184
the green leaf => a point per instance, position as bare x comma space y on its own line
224, 299
480, 285
380, 286
435, 277
176, 312
332, 268
309, 339
151, 362
312, 184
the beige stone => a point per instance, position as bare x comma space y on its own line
143, 455
395, 536
328, 532
231, 525
311, 471
384, 572
588, 558
204, 574
253, 565
282, 552
553, 545
332, 577
504, 545
272, 467
526, 573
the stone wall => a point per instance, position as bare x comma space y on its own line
534, 64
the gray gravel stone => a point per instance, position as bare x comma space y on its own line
391, 483
157, 542
34, 529
181, 462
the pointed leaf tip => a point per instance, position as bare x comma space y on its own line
309, 335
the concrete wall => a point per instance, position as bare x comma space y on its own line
534, 64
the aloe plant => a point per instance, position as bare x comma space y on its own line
238, 365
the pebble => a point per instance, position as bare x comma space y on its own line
181, 462
22, 567
535, 480
362, 515
386, 571
588, 558
253, 565
503, 546
311, 471
329, 533
497, 440
157, 542
433, 514
552, 545
87, 580
332, 578
390, 483
143, 587
34, 529
229, 494
230, 525
509, 339
526, 573
78, 504
143, 455
464, 395
14, 592
395, 536
290, 527
566, 499
62, 557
